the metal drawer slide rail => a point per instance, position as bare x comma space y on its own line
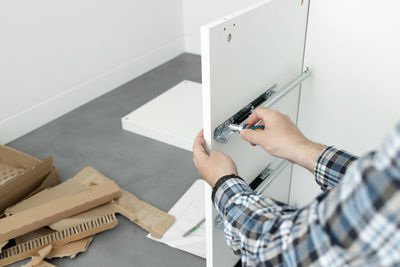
223, 133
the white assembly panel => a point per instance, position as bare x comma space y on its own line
243, 55
352, 99
174, 117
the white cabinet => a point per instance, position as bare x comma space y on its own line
243, 55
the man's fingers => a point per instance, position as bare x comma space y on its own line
199, 150
251, 136
259, 114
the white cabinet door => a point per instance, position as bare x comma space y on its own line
243, 55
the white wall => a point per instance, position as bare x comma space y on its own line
352, 98
58, 55
198, 13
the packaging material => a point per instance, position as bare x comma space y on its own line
33, 235
83, 217
150, 218
88, 189
37, 260
189, 211
71, 249
52, 179
68, 250
20, 174
2, 245
57, 239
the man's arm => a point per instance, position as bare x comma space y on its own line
282, 139
356, 223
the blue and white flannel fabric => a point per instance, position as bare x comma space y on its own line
355, 222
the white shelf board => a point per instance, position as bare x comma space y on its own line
174, 117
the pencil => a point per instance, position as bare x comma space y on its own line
194, 228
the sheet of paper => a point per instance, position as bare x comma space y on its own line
188, 211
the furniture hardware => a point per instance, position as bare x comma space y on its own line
223, 132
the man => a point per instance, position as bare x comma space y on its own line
355, 221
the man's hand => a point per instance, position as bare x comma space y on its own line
211, 166
281, 138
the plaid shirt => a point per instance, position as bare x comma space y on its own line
355, 222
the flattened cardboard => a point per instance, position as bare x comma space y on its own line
38, 259
51, 180
87, 178
67, 250
33, 235
92, 190
150, 218
71, 249
22, 175
41, 255
83, 217
2, 244
57, 239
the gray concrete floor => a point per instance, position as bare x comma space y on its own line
91, 135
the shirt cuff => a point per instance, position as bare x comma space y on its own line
331, 165
228, 187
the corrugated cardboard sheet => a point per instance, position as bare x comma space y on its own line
20, 174
86, 190
57, 239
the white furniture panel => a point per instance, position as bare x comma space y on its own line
166, 117
243, 55
352, 98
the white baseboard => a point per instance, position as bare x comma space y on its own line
52, 108
192, 45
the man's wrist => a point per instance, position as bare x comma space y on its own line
307, 154
222, 180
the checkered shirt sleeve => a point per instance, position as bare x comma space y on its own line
356, 223
330, 167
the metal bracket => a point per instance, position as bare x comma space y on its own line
261, 177
273, 173
223, 133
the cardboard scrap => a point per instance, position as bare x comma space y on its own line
84, 180
2, 244
150, 218
71, 249
33, 235
68, 250
52, 179
88, 189
20, 175
38, 259
8, 172
83, 217
57, 239
41, 254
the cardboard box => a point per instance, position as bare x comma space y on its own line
20, 175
